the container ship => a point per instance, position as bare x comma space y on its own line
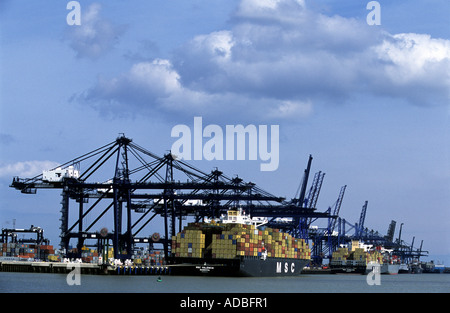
360, 258
237, 245
432, 267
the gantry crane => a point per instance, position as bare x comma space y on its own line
136, 186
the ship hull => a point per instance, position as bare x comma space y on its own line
390, 269
352, 268
272, 267
403, 269
348, 269
240, 267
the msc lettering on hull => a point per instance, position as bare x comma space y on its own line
286, 268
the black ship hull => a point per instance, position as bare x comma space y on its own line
244, 266
348, 270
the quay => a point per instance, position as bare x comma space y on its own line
85, 268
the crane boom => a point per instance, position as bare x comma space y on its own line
362, 217
314, 191
337, 207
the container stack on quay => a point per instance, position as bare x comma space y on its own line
140, 257
89, 255
29, 251
148, 258
227, 241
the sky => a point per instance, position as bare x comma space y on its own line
370, 103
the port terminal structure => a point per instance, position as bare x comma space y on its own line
12, 235
136, 186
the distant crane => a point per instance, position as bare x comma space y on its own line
337, 207
362, 217
301, 191
314, 191
332, 222
391, 231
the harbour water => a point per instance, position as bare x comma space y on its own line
58, 283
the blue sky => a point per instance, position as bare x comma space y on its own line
370, 103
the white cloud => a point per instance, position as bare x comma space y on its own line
291, 109
217, 45
316, 57
279, 60
414, 51
150, 86
268, 10
26, 169
418, 63
157, 77
95, 36
147, 86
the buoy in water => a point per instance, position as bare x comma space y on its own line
159, 279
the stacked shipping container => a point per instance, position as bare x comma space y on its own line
89, 255
155, 258
358, 256
189, 243
339, 256
48, 253
148, 258
29, 251
139, 257
227, 241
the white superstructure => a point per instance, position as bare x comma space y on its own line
58, 174
238, 217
